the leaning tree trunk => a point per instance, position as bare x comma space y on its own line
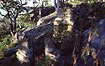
12, 24
46, 19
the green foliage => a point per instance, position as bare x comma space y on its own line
40, 63
27, 24
4, 31
6, 40
25, 20
5, 44
74, 3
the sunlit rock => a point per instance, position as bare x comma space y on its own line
51, 52
22, 52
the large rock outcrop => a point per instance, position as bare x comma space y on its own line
27, 41
94, 44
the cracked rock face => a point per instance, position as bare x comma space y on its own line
98, 37
53, 54
26, 39
50, 50
97, 40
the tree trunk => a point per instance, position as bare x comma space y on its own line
57, 5
12, 24
13, 27
39, 12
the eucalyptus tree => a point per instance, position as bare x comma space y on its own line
13, 9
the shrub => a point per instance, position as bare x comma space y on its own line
5, 44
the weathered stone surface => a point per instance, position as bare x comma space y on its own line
22, 52
40, 31
50, 48
27, 39
10, 52
52, 53
98, 37
97, 41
